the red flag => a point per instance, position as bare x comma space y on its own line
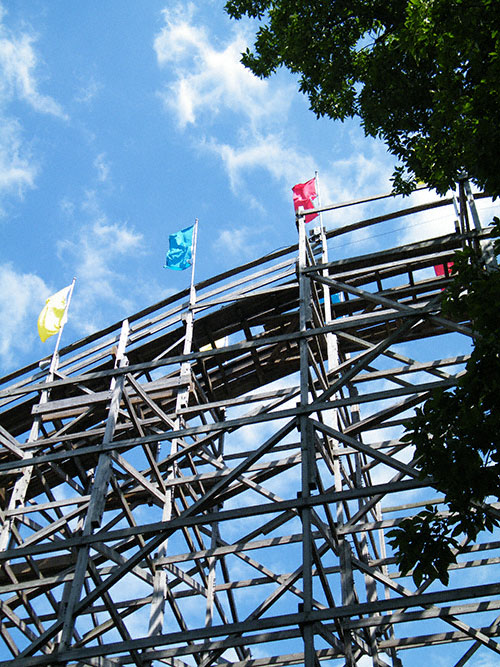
439, 269
303, 194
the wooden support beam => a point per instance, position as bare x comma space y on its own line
243, 479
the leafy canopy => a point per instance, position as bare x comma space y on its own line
422, 75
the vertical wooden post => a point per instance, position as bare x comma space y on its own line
98, 493
370, 584
160, 583
472, 206
332, 418
307, 448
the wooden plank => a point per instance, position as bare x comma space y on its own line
391, 303
10, 443
321, 615
88, 400
73, 402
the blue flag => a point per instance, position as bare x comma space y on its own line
180, 253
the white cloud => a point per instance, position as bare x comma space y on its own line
367, 169
206, 85
88, 91
20, 297
427, 224
18, 62
67, 206
262, 151
206, 80
17, 172
102, 167
440, 221
234, 241
93, 256
367, 661
486, 209
96, 247
99, 254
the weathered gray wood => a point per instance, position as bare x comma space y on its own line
269, 623
390, 303
97, 496
10, 443
170, 476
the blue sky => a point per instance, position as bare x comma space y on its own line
120, 123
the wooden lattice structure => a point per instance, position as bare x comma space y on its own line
211, 481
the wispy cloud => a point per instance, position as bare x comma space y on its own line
239, 242
270, 152
205, 80
100, 254
102, 167
366, 168
17, 171
88, 91
95, 256
18, 81
18, 63
21, 298
427, 224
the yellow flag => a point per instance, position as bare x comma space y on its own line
53, 314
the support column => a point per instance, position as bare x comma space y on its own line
160, 584
307, 449
333, 420
98, 494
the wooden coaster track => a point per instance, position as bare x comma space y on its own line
210, 482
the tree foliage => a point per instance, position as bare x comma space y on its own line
456, 433
422, 75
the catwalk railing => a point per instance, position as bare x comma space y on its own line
211, 481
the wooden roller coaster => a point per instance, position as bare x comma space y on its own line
210, 482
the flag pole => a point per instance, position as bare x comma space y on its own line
188, 340
324, 255
55, 354
316, 181
192, 293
